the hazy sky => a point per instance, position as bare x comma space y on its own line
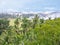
29, 5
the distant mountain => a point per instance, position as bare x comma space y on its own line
31, 15
54, 15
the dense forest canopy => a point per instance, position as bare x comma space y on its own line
30, 32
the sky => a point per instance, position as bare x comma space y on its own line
29, 5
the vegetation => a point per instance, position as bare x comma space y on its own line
34, 32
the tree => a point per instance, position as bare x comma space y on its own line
16, 23
41, 21
35, 21
25, 24
4, 24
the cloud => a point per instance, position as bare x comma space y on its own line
49, 8
47, 12
12, 10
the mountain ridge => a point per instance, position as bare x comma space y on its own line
45, 15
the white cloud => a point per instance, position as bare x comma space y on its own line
49, 8
12, 10
47, 12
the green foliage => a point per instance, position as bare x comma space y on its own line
35, 21
4, 24
16, 22
26, 25
45, 32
